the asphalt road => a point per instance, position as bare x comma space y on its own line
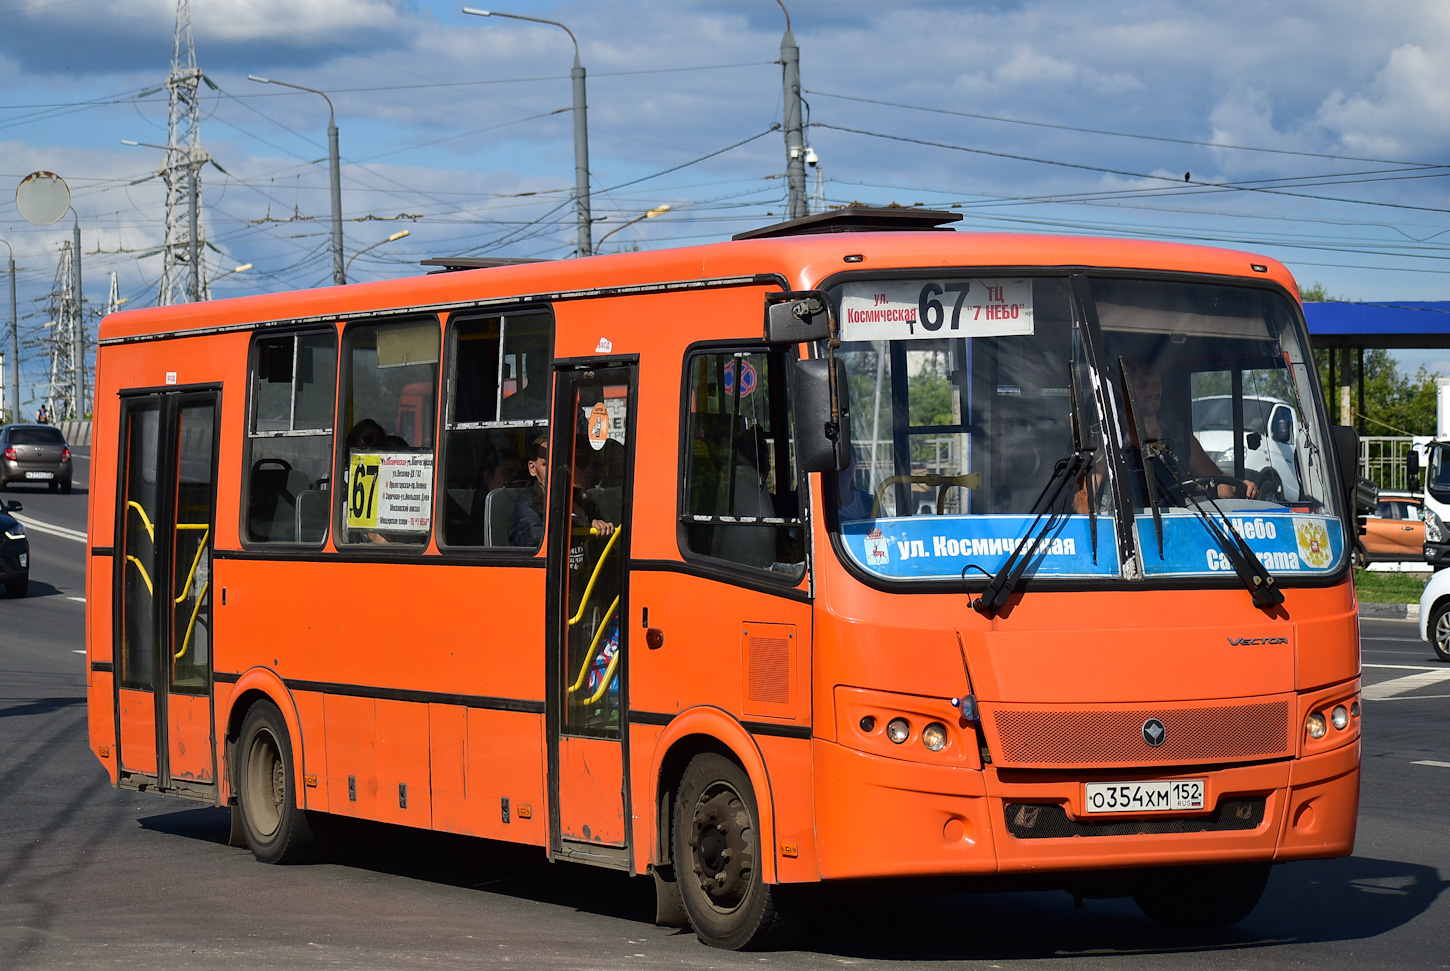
95, 877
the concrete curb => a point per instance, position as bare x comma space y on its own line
1390, 611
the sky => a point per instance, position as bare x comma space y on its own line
1305, 131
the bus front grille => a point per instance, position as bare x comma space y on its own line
1047, 737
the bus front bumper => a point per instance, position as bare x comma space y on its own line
882, 817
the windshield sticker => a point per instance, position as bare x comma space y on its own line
927, 310
944, 547
1283, 542
390, 491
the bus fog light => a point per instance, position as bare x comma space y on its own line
934, 736
868, 723
898, 730
1354, 710
1339, 717
1315, 725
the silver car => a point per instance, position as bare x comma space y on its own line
34, 454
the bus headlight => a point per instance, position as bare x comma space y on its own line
1315, 725
1339, 717
934, 736
898, 730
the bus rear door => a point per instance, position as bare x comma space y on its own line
166, 507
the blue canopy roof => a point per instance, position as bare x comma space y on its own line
1338, 324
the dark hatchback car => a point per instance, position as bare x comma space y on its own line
34, 454
14, 552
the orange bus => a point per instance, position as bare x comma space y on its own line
854, 547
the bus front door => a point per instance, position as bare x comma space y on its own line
165, 510
589, 529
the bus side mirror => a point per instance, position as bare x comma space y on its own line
820, 444
1346, 457
797, 316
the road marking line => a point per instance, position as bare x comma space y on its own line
1399, 686
79, 600
41, 527
1438, 765
1405, 667
81, 651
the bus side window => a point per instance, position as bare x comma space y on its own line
739, 501
289, 438
498, 399
390, 408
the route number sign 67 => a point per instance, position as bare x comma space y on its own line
873, 310
362, 490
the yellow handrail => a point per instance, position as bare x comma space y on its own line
589, 588
145, 519
201, 548
142, 567
594, 646
191, 624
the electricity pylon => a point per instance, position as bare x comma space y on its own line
183, 275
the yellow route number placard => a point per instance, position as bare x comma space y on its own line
362, 496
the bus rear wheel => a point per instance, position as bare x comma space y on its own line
1202, 897
717, 857
276, 828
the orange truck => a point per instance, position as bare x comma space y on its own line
850, 548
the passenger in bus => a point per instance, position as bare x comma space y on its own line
365, 434
527, 527
501, 468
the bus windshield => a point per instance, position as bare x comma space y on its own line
1192, 403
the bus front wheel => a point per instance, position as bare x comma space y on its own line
1203, 897
276, 828
717, 856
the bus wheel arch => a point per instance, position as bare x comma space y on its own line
714, 859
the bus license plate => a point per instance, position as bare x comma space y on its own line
1143, 797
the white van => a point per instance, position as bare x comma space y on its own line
1270, 430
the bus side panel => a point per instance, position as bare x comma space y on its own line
792, 784
311, 725
1329, 618
352, 780
401, 747
448, 767
101, 710
506, 760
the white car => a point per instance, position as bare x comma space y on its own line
1435, 614
1270, 430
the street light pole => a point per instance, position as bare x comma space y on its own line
14, 343
396, 236
656, 211
339, 269
581, 128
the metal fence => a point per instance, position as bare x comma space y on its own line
1382, 459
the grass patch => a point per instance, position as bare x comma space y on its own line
1389, 588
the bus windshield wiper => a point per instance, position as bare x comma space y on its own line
1146, 449
1067, 470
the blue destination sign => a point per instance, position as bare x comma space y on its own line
1284, 542
941, 547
